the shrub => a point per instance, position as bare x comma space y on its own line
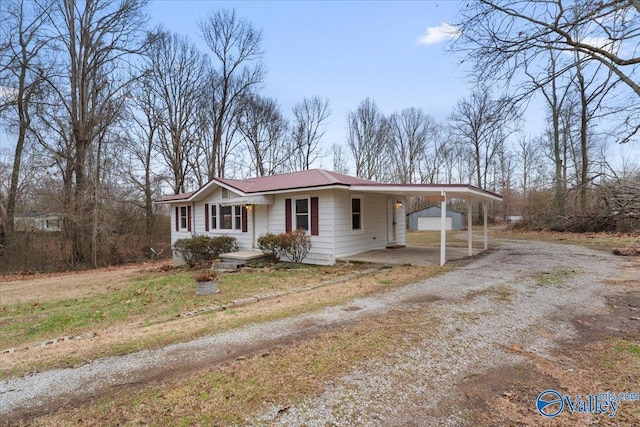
203, 249
223, 245
298, 245
271, 245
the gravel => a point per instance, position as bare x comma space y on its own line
475, 328
418, 387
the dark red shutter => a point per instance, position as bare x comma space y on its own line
206, 217
314, 216
245, 225
287, 215
177, 218
188, 218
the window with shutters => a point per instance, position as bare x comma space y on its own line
301, 207
356, 214
184, 218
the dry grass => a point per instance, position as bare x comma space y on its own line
231, 394
131, 335
429, 239
599, 241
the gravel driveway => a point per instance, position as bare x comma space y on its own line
503, 298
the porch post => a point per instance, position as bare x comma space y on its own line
469, 226
486, 228
443, 228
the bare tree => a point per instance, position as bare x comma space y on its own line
176, 74
264, 131
140, 142
308, 127
368, 140
483, 124
237, 72
528, 157
435, 159
339, 158
94, 40
410, 132
503, 38
21, 40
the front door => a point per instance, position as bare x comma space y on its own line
261, 222
391, 221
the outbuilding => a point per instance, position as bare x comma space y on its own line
428, 219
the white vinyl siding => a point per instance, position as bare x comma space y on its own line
335, 238
374, 225
322, 244
245, 240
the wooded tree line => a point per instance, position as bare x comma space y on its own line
108, 113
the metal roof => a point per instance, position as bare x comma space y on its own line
320, 178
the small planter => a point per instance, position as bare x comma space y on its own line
207, 288
207, 282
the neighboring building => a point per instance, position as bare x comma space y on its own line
35, 221
429, 219
343, 215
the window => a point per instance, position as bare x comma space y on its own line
226, 220
214, 217
225, 193
356, 214
302, 213
237, 216
183, 217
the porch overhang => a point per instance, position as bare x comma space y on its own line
248, 200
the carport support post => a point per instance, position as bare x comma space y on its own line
469, 227
486, 228
443, 228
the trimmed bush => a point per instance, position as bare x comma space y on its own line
296, 245
200, 250
272, 246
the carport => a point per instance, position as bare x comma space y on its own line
442, 193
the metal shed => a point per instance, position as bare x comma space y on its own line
429, 219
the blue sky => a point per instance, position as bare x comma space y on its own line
344, 51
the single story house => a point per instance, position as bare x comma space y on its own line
428, 219
343, 215
36, 221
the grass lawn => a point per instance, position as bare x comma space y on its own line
142, 311
455, 239
146, 298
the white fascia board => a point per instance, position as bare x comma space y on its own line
452, 191
198, 195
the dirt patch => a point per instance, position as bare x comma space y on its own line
603, 357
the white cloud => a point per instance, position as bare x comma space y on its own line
439, 34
